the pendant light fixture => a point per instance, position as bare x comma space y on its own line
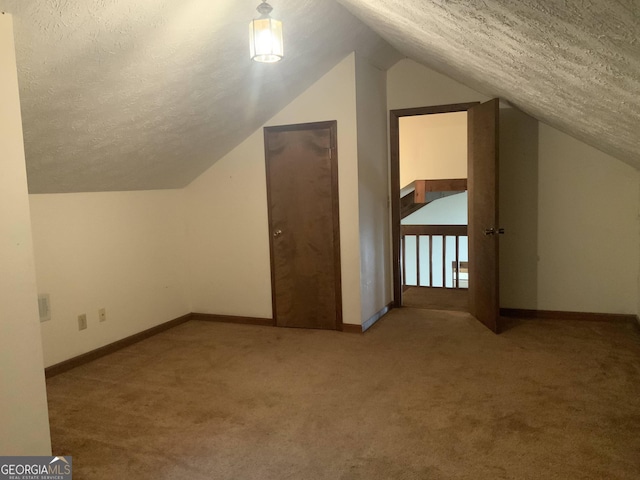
265, 36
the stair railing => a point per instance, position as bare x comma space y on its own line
427, 233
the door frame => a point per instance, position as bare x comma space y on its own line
394, 160
332, 125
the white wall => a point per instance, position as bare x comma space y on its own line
122, 251
24, 421
410, 84
227, 210
587, 228
586, 249
373, 189
433, 147
228, 254
451, 210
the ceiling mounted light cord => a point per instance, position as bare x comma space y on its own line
265, 36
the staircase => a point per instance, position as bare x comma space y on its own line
422, 192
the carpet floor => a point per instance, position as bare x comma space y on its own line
422, 395
436, 298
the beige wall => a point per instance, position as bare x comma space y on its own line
433, 147
122, 251
581, 252
226, 210
518, 209
373, 189
228, 254
587, 227
24, 422
409, 85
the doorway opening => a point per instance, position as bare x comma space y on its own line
430, 208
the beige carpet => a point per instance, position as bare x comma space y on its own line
436, 298
422, 395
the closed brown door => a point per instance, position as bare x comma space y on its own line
302, 193
483, 213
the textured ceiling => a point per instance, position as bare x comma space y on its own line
574, 64
147, 94
125, 95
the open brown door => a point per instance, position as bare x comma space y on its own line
302, 194
483, 213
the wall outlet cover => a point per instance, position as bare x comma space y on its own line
82, 322
44, 307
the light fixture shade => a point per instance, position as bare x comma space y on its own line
265, 37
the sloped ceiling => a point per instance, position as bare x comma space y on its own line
574, 64
145, 94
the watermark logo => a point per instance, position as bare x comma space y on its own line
36, 468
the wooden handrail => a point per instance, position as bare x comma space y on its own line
450, 230
449, 185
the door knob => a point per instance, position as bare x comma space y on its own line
493, 231
277, 233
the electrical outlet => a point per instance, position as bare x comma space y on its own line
82, 321
102, 314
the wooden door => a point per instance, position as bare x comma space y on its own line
483, 213
302, 194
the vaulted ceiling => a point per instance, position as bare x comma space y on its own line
124, 95
147, 94
574, 64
